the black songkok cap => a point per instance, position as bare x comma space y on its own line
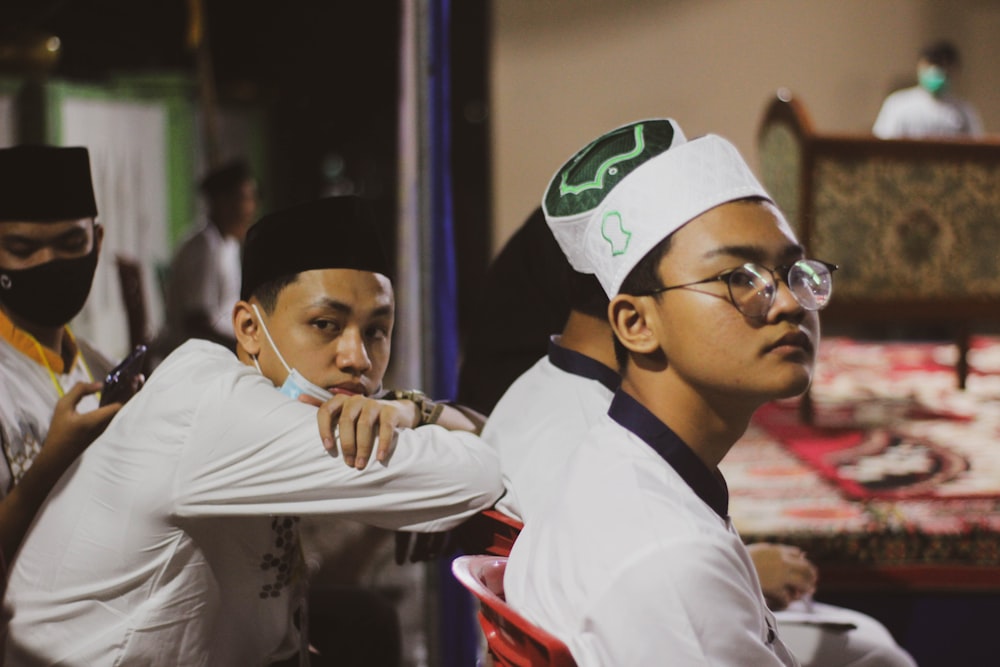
45, 184
226, 177
332, 233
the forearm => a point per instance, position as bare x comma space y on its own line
451, 416
433, 480
456, 417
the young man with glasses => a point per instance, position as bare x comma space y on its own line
632, 558
534, 436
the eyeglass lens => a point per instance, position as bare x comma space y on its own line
753, 287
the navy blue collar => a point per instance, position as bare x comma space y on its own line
582, 365
708, 485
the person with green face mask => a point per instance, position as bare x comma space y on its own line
929, 109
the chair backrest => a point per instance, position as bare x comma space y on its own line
130, 278
512, 639
488, 532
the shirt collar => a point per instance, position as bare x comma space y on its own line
709, 485
582, 365
26, 344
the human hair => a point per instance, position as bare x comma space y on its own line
941, 53
267, 292
586, 294
226, 179
643, 278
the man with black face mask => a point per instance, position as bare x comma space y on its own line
49, 242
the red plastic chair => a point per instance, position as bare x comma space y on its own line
513, 640
488, 532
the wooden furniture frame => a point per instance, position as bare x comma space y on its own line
913, 224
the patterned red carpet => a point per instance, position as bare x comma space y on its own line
896, 479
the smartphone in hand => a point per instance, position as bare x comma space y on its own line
121, 383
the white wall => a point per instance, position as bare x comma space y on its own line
564, 71
127, 145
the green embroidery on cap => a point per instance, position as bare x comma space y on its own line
604, 168
615, 234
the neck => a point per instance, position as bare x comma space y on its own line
244, 356
50, 337
709, 424
591, 336
226, 229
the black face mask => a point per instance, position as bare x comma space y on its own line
50, 294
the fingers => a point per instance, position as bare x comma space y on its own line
795, 592
78, 391
365, 419
364, 426
355, 426
369, 421
386, 439
346, 433
95, 421
801, 573
776, 600
70, 432
326, 417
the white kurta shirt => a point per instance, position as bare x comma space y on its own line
169, 541
632, 561
28, 395
538, 422
536, 427
914, 113
204, 276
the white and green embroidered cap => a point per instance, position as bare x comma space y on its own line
613, 201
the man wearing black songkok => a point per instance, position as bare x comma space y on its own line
49, 244
175, 541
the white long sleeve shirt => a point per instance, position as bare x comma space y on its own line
28, 396
913, 113
173, 540
633, 561
538, 422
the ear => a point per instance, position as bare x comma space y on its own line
631, 319
98, 236
246, 328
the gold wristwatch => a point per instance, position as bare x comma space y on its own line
428, 411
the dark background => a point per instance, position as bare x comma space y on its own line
325, 71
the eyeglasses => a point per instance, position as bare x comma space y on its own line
753, 288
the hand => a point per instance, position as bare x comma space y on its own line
69, 434
359, 421
785, 573
122, 396
70, 431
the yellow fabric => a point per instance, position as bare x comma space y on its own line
25, 343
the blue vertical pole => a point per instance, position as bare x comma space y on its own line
443, 244
458, 636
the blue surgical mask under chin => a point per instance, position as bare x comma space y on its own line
295, 384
